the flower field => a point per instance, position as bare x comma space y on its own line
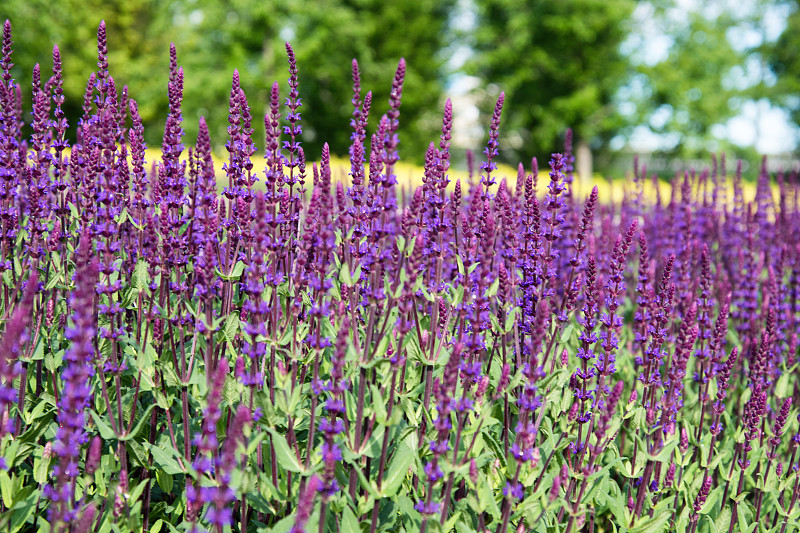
277, 346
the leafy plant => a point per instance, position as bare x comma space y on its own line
301, 353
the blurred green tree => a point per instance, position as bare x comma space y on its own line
685, 94
138, 39
215, 37
326, 37
711, 62
559, 64
784, 63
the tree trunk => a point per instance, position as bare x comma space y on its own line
583, 159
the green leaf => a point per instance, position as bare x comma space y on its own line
139, 278
378, 404
52, 360
458, 296
639, 417
369, 485
37, 412
105, 430
711, 501
41, 469
486, 499
723, 521
52, 282
164, 481
493, 288
231, 327
451, 522
27, 499
654, 525
616, 503
666, 453
510, 318
344, 275
6, 489
234, 274
284, 454
122, 217
165, 459
782, 386
567, 333
398, 468
284, 525
143, 419
495, 446
349, 520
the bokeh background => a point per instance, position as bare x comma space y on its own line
671, 80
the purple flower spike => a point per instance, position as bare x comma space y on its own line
705, 489
77, 388
13, 338
102, 52
780, 422
491, 148
305, 504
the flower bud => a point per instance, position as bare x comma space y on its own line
473, 470
121, 497
554, 490
84, 523
669, 479
573, 412
684, 444
50, 313
93, 456
483, 383
537, 456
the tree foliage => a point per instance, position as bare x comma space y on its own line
215, 37
559, 64
711, 62
784, 62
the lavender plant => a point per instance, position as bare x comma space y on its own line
300, 352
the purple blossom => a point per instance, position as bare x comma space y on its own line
77, 389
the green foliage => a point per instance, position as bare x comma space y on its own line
559, 64
214, 38
685, 93
716, 60
784, 62
138, 37
377, 34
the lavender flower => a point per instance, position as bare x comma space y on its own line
702, 496
14, 337
609, 339
491, 148
77, 388
305, 504
336, 386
